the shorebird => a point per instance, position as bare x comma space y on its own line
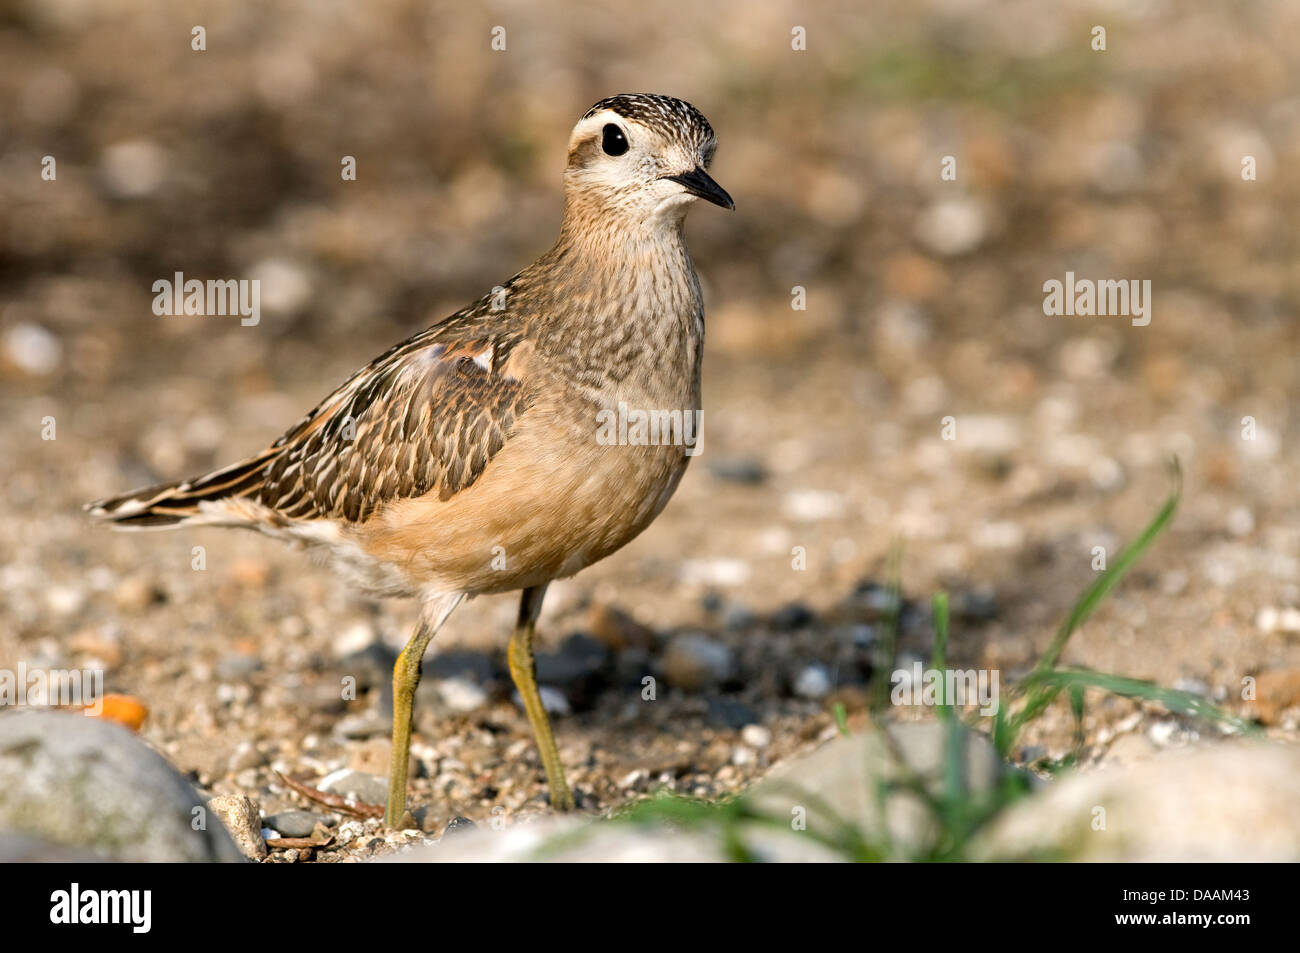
476, 456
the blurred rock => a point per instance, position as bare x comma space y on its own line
842, 779
1206, 804
368, 788
135, 169
693, 661
240, 816
295, 823
953, 226
617, 630
32, 349
93, 785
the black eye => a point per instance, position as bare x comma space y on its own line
613, 141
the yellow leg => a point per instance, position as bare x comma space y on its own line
406, 678
523, 671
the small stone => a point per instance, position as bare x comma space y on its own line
1272, 619
1031, 753
731, 713
104, 647
553, 700
746, 471
295, 823
1275, 692
134, 169
244, 757
577, 668
953, 226
368, 788
616, 630
458, 825
738, 618
137, 593
694, 661
32, 349
796, 615
477, 667
236, 667
756, 736
1162, 733
241, 818
1193, 686
813, 682
979, 605
461, 694
365, 724
64, 601
1241, 522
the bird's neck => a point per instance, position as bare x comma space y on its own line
630, 316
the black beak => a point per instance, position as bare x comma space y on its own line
698, 182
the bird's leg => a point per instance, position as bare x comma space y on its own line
523, 671
406, 677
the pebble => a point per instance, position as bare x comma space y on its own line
694, 661
813, 682
731, 713
747, 471
480, 668
458, 825
952, 226
553, 700
365, 724
1162, 733
716, 572
244, 757
1273, 619
241, 818
236, 667
618, 631
133, 169
461, 694
577, 667
811, 506
137, 593
369, 788
796, 615
756, 736
33, 349
738, 618
296, 823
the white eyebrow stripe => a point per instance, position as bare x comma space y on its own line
484, 358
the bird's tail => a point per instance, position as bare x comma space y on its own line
171, 504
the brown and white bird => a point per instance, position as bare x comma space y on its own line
470, 458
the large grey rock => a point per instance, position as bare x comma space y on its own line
842, 781
93, 785
1232, 801
576, 840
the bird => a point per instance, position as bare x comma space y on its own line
475, 457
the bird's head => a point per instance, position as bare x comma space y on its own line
642, 157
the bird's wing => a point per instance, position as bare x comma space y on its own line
426, 416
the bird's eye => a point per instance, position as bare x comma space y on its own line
613, 141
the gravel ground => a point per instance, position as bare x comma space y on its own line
824, 427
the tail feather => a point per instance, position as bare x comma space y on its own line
171, 504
